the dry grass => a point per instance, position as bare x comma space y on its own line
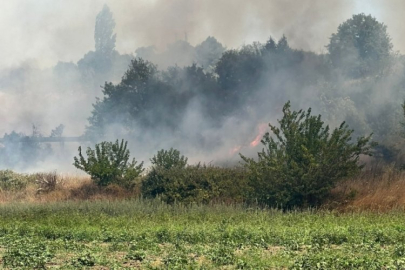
52, 187
376, 188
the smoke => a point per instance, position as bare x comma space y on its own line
55, 30
39, 34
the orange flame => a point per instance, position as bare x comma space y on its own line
262, 130
235, 149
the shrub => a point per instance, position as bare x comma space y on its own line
195, 184
188, 184
169, 158
109, 163
47, 182
12, 181
304, 161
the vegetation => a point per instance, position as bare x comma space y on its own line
11, 181
104, 36
20, 150
209, 217
361, 49
109, 163
298, 168
150, 234
196, 184
217, 85
167, 159
361, 46
304, 161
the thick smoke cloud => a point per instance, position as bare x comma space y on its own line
39, 34
55, 30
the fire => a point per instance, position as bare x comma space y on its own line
262, 130
235, 149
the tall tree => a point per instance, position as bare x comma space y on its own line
104, 36
361, 46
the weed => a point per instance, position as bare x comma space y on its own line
26, 253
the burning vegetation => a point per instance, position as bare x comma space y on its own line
213, 103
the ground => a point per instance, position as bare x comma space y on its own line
151, 235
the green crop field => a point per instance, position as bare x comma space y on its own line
151, 235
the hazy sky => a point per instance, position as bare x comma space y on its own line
45, 31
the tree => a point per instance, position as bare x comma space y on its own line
109, 163
134, 100
208, 52
270, 46
361, 46
104, 36
23, 151
239, 73
58, 131
169, 158
282, 45
125, 102
304, 161
105, 63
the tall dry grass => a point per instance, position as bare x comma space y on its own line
52, 187
377, 188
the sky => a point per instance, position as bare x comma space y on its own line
43, 32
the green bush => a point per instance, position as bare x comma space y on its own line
188, 184
169, 158
304, 161
109, 163
195, 184
12, 181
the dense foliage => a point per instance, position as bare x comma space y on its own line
297, 168
304, 161
168, 159
241, 79
196, 184
109, 163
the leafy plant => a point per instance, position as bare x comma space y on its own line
304, 161
136, 255
12, 181
198, 183
190, 184
26, 253
169, 158
178, 260
86, 258
222, 255
109, 163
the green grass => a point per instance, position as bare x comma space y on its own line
152, 235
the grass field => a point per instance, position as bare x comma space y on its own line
151, 235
